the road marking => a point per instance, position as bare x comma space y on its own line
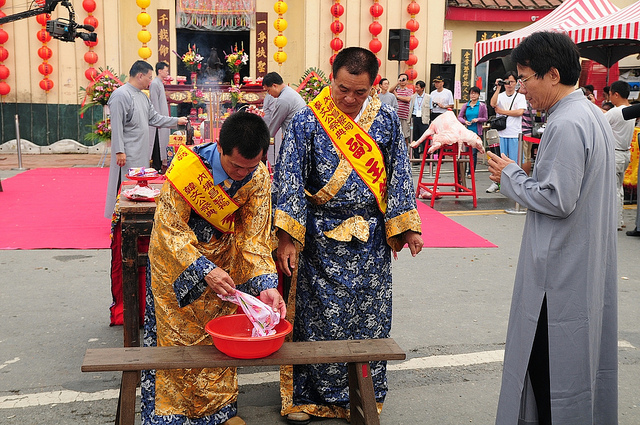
429, 362
8, 362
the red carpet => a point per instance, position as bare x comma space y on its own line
61, 208
439, 231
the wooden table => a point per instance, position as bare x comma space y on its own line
136, 220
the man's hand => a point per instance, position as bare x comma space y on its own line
286, 253
273, 298
497, 164
414, 241
220, 282
121, 159
183, 121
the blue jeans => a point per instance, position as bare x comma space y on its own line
509, 147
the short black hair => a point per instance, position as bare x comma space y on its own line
474, 89
421, 84
356, 61
606, 89
246, 132
544, 50
508, 74
160, 66
138, 67
589, 87
622, 88
271, 79
382, 80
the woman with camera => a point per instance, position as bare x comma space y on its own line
473, 114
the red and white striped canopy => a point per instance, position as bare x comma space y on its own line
610, 38
570, 14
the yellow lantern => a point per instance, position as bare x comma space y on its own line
144, 52
280, 7
280, 24
280, 57
144, 19
144, 36
143, 4
280, 41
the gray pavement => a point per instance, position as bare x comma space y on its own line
450, 316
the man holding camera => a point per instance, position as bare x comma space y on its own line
441, 98
403, 95
511, 104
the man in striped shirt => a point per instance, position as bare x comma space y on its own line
403, 94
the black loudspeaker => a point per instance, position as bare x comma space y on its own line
446, 71
399, 45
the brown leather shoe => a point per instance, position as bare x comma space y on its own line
298, 418
236, 420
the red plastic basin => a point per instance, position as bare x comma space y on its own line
232, 335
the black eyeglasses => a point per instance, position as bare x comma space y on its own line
403, 79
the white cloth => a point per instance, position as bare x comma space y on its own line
623, 133
444, 97
514, 124
159, 101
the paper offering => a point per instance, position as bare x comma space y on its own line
262, 316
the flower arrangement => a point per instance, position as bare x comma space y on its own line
236, 59
191, 59
311, 84
100, 131
197, 97
99, 92
235, 95
253, 109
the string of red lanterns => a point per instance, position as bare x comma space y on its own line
44, 52
375, 28
90, 57
412, 25
4, 54
337, 10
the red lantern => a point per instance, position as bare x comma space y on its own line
4, 89
91, 20
43, 18
91, 74
379, 62
412, 25
89, 5
376, 10
331, 59
46, 84
45, 53
4, 72
4, 36
375, 28
413, 43
43, 36
413, 59
375, 45
337, 27
337, 10
377, 80
411, 73
2, 2
91, 57
413, 8
91, 43
45, 68
4, 54
2, 14
336, 44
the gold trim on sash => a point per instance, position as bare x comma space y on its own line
193, 180
350, 139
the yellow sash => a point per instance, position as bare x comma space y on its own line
359, 149
189, 176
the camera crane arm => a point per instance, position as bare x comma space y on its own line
61, 29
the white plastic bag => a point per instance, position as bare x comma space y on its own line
261, 315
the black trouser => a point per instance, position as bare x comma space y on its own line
418, 130
539, 367
156, 160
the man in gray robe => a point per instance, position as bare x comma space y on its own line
560, 363
158, 136
131, 115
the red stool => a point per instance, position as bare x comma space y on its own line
458, 189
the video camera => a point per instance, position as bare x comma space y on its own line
631, 112
66, 30
500, 82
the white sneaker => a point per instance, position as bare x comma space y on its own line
495, 187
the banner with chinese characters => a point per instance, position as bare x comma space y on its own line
164, 35
465, 73
216, 15
261, 43
486, 35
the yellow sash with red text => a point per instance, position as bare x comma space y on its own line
189, 176
360, 150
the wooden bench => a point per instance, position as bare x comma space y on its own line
356, 353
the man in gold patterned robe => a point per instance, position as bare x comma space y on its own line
197, 253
